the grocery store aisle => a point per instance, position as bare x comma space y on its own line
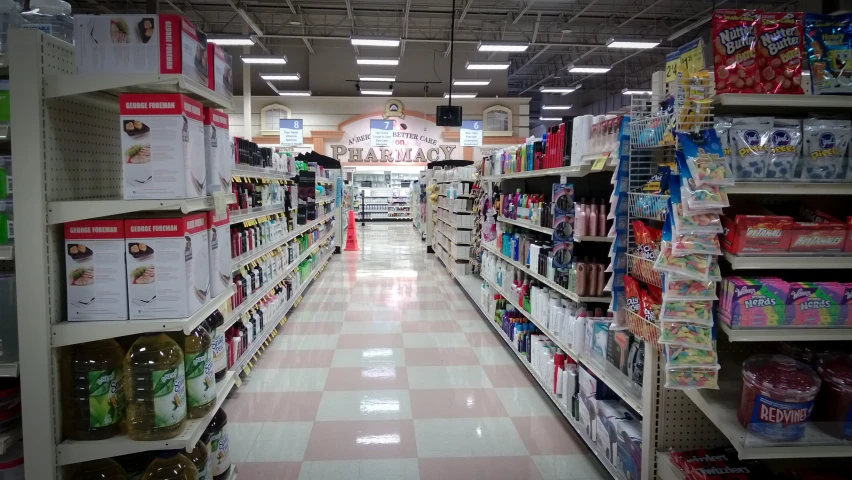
386, 371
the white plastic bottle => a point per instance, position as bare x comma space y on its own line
53, 17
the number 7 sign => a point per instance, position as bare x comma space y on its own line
381, 133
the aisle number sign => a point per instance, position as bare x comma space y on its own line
470, 134
291, 131
381, 133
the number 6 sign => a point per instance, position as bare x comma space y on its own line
470, 134
290, 131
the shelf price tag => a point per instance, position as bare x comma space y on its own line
600, 162
381, 133
237, 381
470, 134
290, 131
672, 61
247, 370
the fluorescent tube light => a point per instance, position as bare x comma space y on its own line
377, 61
460, 95
588, 68
503, 46
366, 91
550, 119
280, 76
377, 78
634, 44
471, 82
487, 65
558, 89
230, 40
374, 41
295, 93
628, 91
556, 107
267, 59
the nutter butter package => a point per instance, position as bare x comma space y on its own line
95, 283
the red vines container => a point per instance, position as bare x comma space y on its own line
778, 396
834, 402
734, 56
779, 52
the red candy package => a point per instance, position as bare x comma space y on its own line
650, 308
734, 56
631, 292
647, 240
779, 52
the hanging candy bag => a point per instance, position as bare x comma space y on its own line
701, 243
705, 158
699, 198
690, 224
680, 288
687, 311
691, 266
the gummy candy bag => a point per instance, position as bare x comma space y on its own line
698, 243
687, 311
647, 240
632, 294
678, 355
649, 308
680, 288
693, 223
691, 266
699, 198
785, 144
705, 158
688, 378
826, 142
689, 335
750, 142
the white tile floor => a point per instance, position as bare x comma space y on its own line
386, 371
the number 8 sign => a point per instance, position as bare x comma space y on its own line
291, 131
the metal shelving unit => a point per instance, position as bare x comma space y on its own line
782, 334
790, 262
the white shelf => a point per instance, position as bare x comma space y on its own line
790, 188
590, 238
324, 181
239, 216
783, 102
10, 438
73, 210
666, 470
782, 334
572, 171
70, 333
72, 451
259, 172
720, 407
76, 84
544, 280
526, 224
261, 292
453, 225
470, 284
789, 262
249, 257
9, 370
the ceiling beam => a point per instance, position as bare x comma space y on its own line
461, 19
502, 35
577, 15
640, 13
538, 54
527, 7
404, 27
246, 18
535, 30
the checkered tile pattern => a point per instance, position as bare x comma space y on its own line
387, 371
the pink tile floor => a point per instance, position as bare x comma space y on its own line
384, 372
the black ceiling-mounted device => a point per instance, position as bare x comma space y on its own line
448, 116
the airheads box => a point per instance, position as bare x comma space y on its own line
95, 283
168, 270
754, 302
219, 76
140, 44
219, 238
814, 304
162, 146
217, 151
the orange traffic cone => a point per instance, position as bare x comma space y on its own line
351, 236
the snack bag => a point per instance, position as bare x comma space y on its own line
750, 139
779, 52
647, 240
633, 297
825, 147
692, 266
687, 311
699, 376
785, 144
659, 182
650, 308
699, 243
705, 158
734, 56
699, 198
686, 334
722, 125
680, 288
828, 45
678, 356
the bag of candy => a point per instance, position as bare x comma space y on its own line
779, 51
691, 266
699, 243
687, 378
680, 288
699, 198
680, 356
733, 52
686, 334
785, 144
705, 158
722, 125
650, 305
694, 223
633, 297
687, 311
750, 140
647, 240
715, 272
658, 184
828, 39
826, 142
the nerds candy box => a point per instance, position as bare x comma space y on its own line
814, 304
754, 302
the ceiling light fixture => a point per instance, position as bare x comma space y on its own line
503, 46
232, 40
460, 95
558, 89
550, 119
377, 61
634, 44
556, 107
359, 41
471, 82
280, 76
377, 78
629, 91
487, 65
295, 93
267, 59
588, 68
366, 91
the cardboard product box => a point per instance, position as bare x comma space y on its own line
586, 398
96, 285
217, 151
140, 44
629, 448
618, 348
756, 234
162, 146
219, 66
610, 412
220, 251
168, 269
